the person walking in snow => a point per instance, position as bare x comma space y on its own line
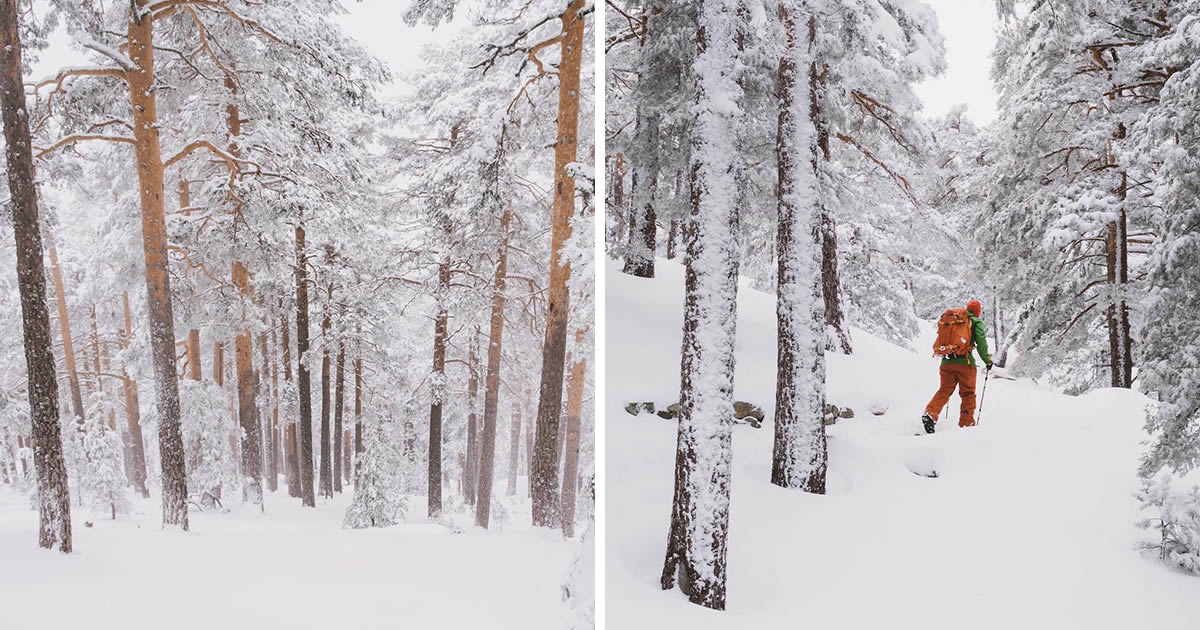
959, 333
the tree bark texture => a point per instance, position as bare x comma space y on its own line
491, 400
304, 379
53, 496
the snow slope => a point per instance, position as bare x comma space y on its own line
291, 568
1029, 524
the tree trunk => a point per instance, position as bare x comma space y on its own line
835, 318
530, 431
339, 402
137, 445
438, 390
545, 466
570, 481
491, 399
643, 231
514, 452
304, 381
326, 464
696, 545
799, 455
64, 325
471, 469
54, 501
144, 106
291, 444
273, 437
358, 372
618, 198
247, 411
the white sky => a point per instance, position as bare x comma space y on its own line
968, 27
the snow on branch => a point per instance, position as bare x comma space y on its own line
514, 46
124, 62
899, 179
165, 8
41, 153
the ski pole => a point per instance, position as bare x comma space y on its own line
986, 373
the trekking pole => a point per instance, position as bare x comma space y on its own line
986, 374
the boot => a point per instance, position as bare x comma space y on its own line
928, 422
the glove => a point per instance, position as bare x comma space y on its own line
989, 365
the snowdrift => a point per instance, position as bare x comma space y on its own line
1029, 522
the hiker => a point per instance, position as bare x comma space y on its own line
959, 332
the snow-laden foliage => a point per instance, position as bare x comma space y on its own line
101, 479
1174, 520
209, 434
378, 481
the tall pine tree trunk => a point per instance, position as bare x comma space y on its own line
247, 409
326, 464
471, 470
545, 460
64, 326
799, 456
269, 364
133, 419
570, 481
514, 452
53, 497
696, 544
491, 399
303, 378
438, 390
358, 372
144, 106
643, 232
339, 402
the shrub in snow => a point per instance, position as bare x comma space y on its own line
208, 438
1177, 524
378, 486
102, 484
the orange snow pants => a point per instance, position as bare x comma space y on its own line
962, 376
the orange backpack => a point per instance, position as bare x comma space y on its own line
953, 334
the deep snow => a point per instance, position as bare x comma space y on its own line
1029, 524
290, 568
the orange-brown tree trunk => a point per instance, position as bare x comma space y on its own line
471, 465
326, 464
269, 364
133, 417
144, 106
64, 326
247, 414
491, 399
545, 453
570, 481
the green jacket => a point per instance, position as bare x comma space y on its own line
978, 342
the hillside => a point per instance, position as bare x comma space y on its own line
1030, 521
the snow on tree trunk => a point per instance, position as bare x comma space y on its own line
835, 318
141, 80
491, 399
53, 498
799, 456
358, 373
269, 364
696, 545
643, 223
545, 455
303, 378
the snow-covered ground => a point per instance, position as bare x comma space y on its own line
1030, 522
291, 568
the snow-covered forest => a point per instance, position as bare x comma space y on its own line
331, 316
781, 148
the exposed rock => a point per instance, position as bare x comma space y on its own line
846, 413
877, 407
635, 408
742, 409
